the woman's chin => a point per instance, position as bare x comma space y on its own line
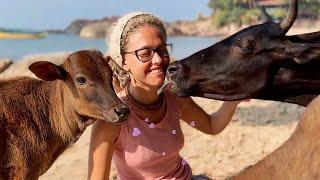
156, 83
156, 75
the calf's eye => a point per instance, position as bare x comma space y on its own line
81, 80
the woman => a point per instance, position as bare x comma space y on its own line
147, 145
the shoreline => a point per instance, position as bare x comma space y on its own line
13, 35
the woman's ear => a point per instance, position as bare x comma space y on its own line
125, 65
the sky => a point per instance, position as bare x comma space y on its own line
58, 14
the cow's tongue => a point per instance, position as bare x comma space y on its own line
165, 86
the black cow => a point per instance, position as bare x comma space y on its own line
257, 62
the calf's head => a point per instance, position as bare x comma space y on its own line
257, 62
85, 86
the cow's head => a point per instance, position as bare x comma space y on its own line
257, 62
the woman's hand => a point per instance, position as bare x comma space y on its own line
246, 100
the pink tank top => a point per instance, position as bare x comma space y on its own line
151, 151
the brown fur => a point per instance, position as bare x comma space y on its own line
40, 119
298, 158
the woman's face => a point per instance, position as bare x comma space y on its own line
150, 74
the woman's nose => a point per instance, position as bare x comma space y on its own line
157, 59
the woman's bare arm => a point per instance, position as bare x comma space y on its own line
194, 115
102, 141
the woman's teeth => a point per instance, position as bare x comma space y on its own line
157, 71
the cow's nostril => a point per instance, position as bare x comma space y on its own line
172, 69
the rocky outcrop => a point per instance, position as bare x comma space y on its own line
76, 26
199, 27
96, 29
91, 25
100, 28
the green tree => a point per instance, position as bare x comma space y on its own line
246, 11
309, 8
233, 11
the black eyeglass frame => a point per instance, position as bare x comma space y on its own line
135, 52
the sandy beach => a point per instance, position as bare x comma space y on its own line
257, 128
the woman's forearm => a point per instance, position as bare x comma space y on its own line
99, 163
221, 118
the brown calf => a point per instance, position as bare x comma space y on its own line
40, 119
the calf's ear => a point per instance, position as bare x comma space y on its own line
107, 58
97, 52
47, 71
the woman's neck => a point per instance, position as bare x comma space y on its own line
143, 94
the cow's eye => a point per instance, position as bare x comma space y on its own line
245, 45
248, 49
245, 48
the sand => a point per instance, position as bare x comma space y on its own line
258, 127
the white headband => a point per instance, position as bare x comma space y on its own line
115, 37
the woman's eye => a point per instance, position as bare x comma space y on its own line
145, 52
81, 80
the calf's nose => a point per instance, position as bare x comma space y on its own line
122, 112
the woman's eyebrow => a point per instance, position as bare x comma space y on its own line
152, 47
146, 47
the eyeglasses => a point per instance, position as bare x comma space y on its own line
146, 54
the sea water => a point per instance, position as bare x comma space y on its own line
15, 49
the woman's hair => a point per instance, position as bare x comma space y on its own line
119, 37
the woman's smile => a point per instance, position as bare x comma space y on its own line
158, 71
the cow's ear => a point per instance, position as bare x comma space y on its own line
303, 53
47, 71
